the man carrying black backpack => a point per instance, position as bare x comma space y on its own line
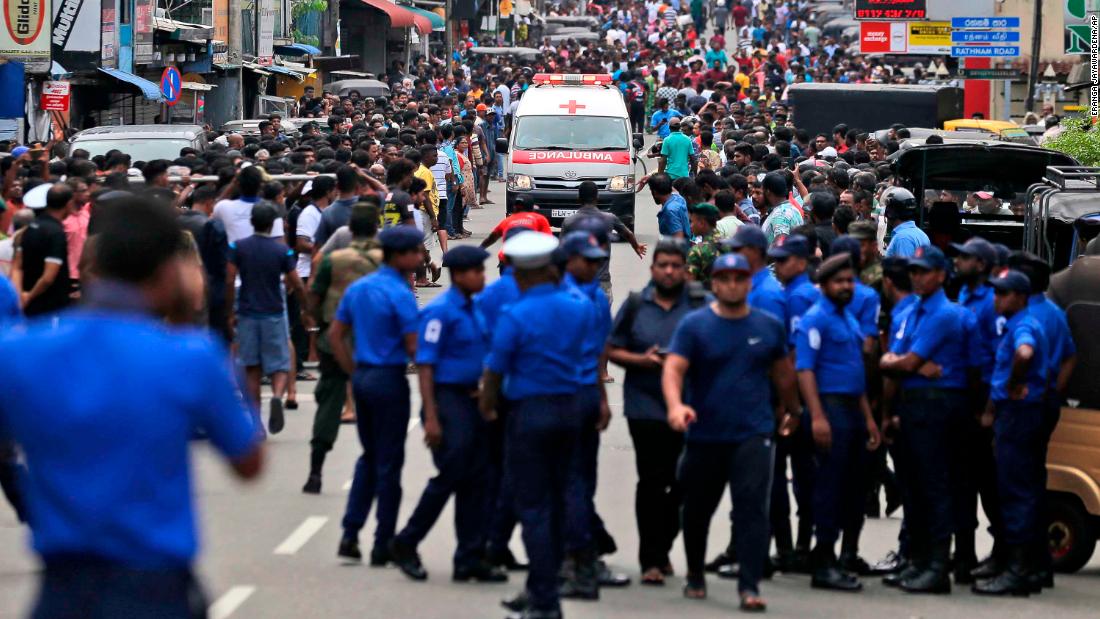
639, 337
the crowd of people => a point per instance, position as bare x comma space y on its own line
796, 316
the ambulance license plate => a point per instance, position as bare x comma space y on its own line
562, 213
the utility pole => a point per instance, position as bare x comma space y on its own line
235, 55
449, 34
1033, 73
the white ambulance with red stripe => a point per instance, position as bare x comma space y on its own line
566, 130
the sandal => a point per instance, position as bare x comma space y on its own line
429, 285
653, 577
695, 588
306, 376
437, 271
752, 603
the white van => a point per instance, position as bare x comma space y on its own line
569, 129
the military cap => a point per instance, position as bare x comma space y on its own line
464, 257
928, 257
1010, 280
730, 262
863, 230
400, 238
832, 265
748, 235
793, 245
581, 243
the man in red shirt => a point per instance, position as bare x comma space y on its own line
523, 214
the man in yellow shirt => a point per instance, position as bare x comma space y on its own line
428, 158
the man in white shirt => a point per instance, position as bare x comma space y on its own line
236, 215
322, 192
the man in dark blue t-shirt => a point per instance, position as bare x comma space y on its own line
260, 319
727, 352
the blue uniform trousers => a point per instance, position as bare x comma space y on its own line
977, 477
1052, 413
799, 447
502, 516
1019, 442
839, 482
931, 422
382, 419
462, 460
580, 507
84, 587
543, 464
705, 470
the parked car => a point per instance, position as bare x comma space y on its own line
251, 126
365, 88
141, 142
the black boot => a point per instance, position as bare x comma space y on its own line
505, 560
892, 563
1042, 567
406, 558
1012, 581
827, 573
581, 578
935, 577
850, 561
990, 566
965, 560
726, 557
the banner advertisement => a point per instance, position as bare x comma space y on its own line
75, 34
26, 33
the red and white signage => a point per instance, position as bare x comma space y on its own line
55, 97
571, 156
880, 37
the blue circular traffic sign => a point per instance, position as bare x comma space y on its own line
171, 84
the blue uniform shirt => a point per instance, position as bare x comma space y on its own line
453, 338
1020, 330
829, 342
801, 296
767, 295
730, 361
864, 307
1052, 320
937, 330
898, 317
382, 311
496, 298
979, 301
596, 338
673, 217
9, 303
535, 349
907, 238
108, 444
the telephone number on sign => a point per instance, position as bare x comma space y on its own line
891, 14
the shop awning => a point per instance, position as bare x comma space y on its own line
297, 49
183, 31
256, 68
298, 74
438, 25
150, 90
401, 17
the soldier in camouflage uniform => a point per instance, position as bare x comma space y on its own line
704, 222
337, 271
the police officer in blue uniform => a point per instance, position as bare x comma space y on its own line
535, 355
791, 255
583, 255
974, 260
491, 303
829, 362
1018, 395
450, 351
381, 309
1061, 361
931, 360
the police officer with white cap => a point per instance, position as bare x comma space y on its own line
381, 311
535, 356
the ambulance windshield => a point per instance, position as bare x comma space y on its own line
572, 133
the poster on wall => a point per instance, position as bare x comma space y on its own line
75, 35
107, 53
265, 43
143, 31
26, 34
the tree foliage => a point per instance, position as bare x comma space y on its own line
1080, 140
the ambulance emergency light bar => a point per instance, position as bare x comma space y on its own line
571, 79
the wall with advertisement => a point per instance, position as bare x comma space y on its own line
924, 38
26, 32
75, 35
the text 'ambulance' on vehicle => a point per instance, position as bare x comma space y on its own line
569, 129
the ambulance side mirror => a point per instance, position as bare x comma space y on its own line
502, 146
638, 141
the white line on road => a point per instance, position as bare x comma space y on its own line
231, 601
309, 527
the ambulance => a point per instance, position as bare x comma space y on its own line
568, 129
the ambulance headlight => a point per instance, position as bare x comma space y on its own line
621, 183
520, 182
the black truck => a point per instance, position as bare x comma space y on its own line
818, 108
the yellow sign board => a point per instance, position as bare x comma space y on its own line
932, 37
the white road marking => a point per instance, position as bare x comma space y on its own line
309, 527
230, 601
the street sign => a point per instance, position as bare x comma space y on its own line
171, 84
989, 74
985, 51
985, 36
55, 96
984, 23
